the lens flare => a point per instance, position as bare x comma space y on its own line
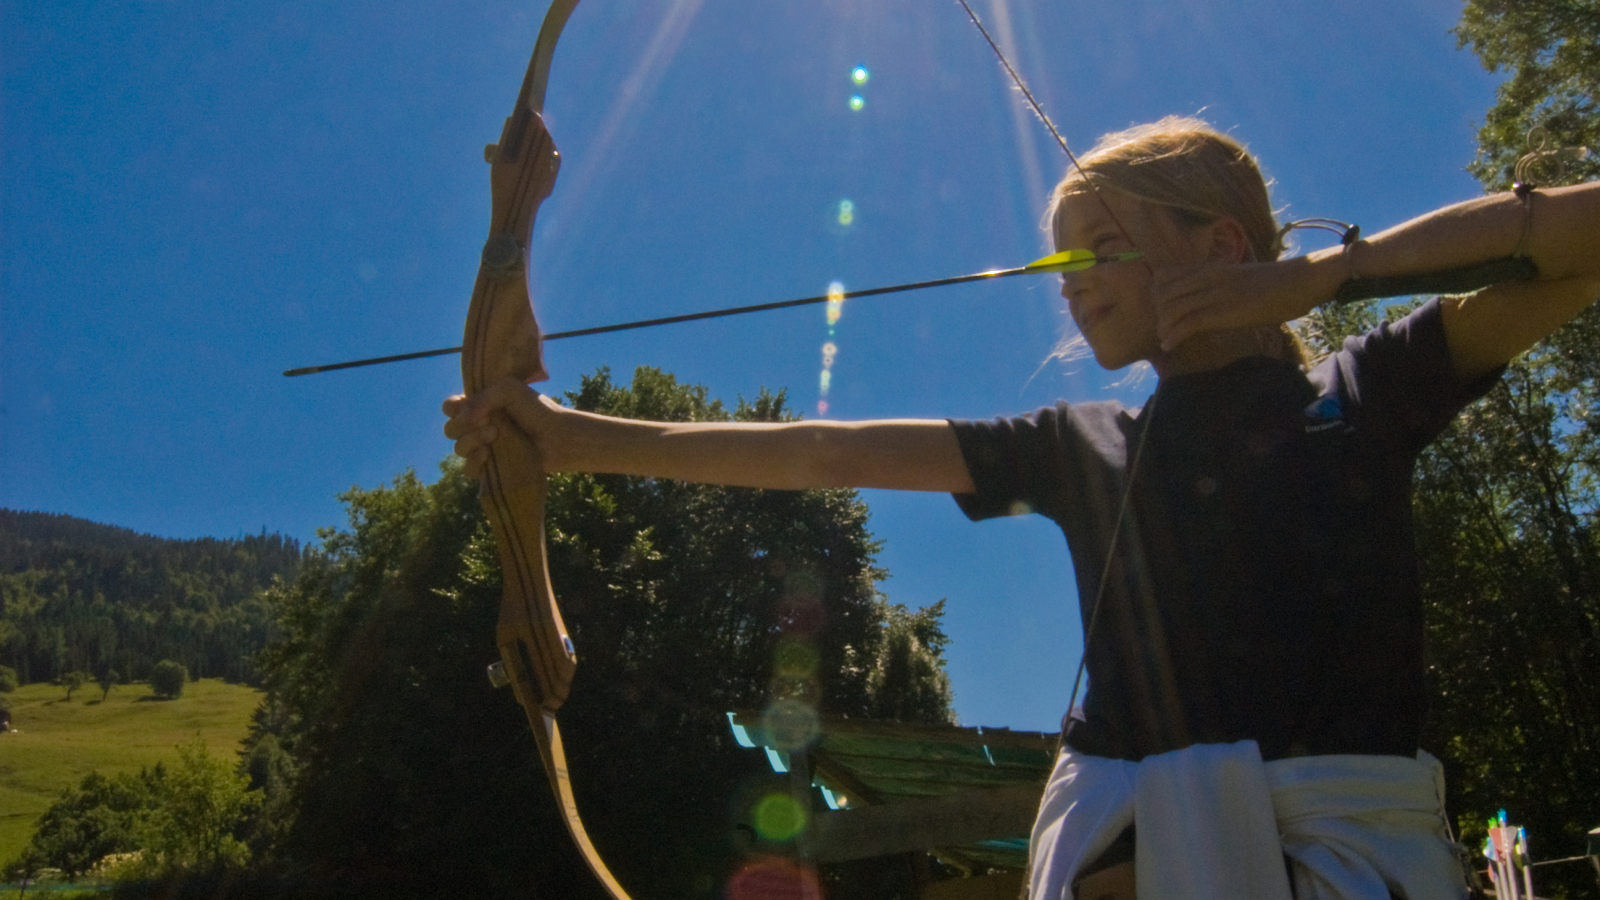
774, 878
779, 818
829, 351
857, 101
847, 212
795, 659
791, 724
860, 74
835, 303
800, 615
804, 690
803, 583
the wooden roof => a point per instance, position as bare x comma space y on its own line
967, 795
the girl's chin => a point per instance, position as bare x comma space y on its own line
1113, 358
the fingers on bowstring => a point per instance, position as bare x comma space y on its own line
1176, 327
1166, 276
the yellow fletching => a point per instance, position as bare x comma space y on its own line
1065, 261
1077, 260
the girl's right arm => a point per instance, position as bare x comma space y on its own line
1557, 228
901, 454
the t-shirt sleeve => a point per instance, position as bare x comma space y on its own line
1401, 378
1018, 465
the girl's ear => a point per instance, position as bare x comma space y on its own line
1227, 242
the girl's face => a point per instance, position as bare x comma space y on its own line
1111, 302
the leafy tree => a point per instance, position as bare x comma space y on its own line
201, 808
1506, 517
167, 679
1551, 48
681, 600
73, 680
271, 771
8, 680
1506, 504
186, 818
907, 682
102, 815
108, 680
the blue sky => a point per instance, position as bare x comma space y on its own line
197, 196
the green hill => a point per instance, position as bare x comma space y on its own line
55, 742
77, 595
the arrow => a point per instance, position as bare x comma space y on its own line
1065, 261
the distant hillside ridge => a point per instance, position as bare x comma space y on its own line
77, 595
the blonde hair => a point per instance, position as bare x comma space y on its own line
1184, 165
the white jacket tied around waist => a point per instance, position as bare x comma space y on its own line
1214, 821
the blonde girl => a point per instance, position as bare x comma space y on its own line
1242, 543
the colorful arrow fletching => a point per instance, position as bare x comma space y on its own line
1078, 260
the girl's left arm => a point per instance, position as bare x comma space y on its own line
1559, 229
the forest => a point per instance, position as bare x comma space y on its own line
78, 596
382, 763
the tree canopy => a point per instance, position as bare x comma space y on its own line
684, 601
1551, 50
187, 818
1506, 504
1508, 499
167, 679
101, 816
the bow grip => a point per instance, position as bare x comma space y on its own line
536, 653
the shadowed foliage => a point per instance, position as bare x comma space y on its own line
1506, 504
405, 770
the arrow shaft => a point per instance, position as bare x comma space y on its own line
688, 317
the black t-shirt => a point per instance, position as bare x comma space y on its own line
1265, 582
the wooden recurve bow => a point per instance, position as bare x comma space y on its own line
503, 340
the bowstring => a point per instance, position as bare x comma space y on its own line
1149, 410
1038, 110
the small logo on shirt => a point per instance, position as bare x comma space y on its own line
1324, 414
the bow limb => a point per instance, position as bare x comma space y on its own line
503, 340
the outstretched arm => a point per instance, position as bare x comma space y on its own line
1561, 235
902, 454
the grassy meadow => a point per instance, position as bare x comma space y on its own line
55, 741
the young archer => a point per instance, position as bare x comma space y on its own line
1242, 544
